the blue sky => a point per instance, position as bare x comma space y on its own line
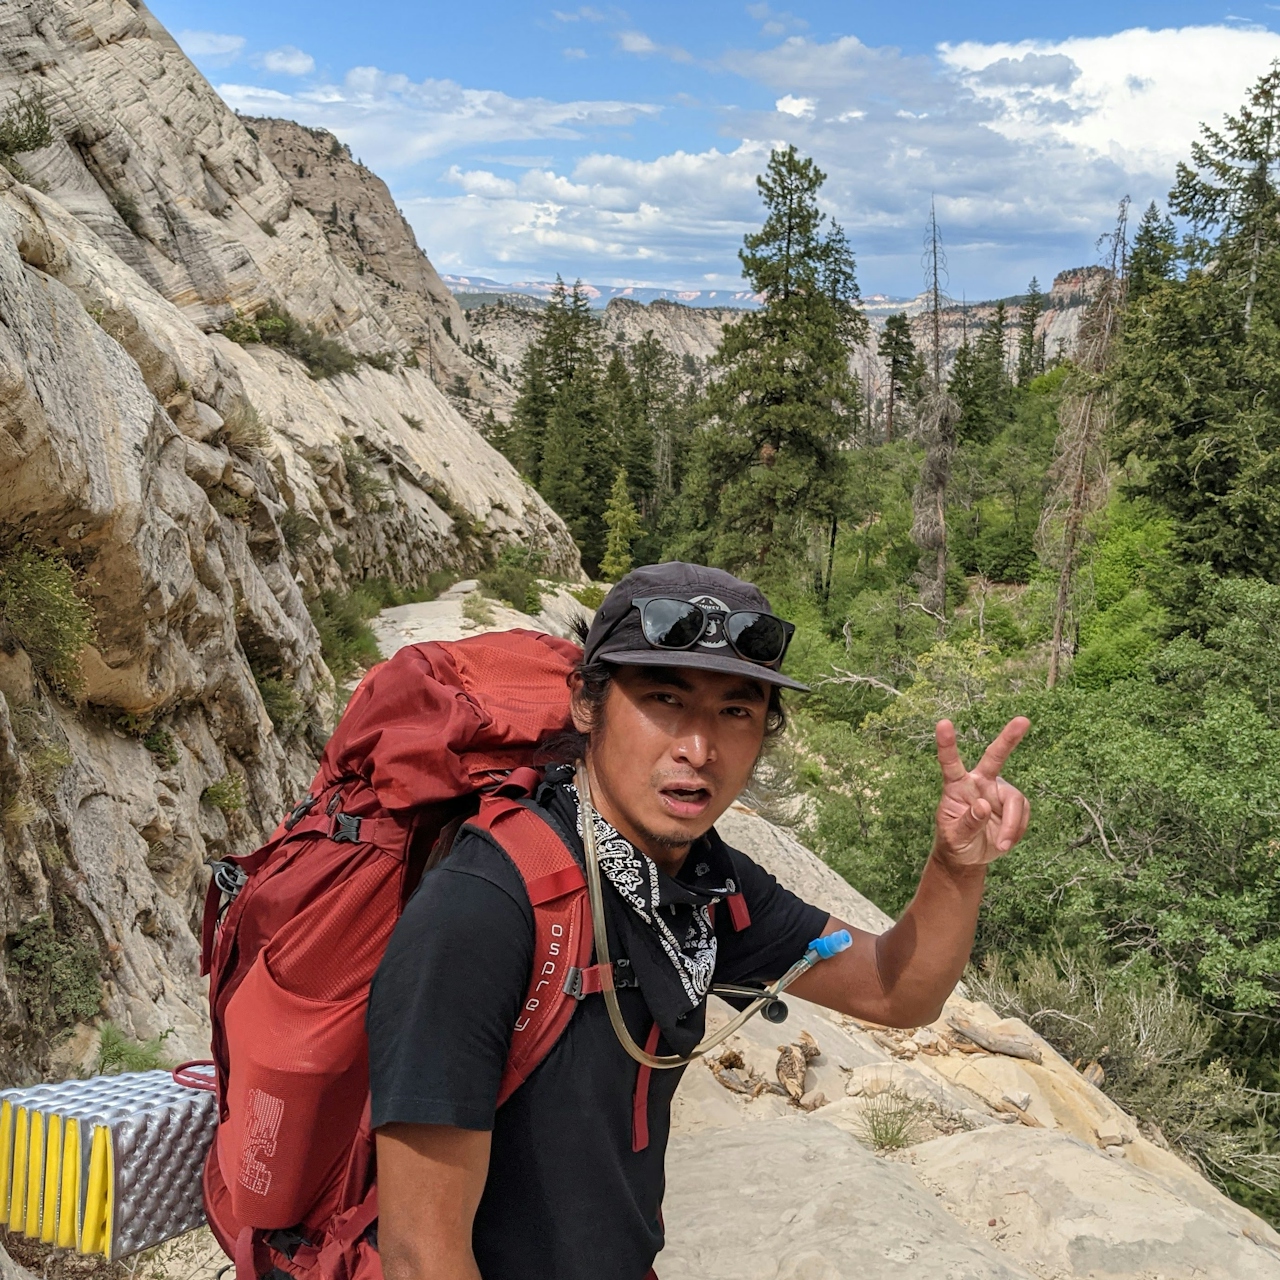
621, 144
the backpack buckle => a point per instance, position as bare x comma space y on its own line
300, 811
580, 983
345, 829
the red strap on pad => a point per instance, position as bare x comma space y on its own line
739, 915
562, 930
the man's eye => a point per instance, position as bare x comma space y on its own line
739, 713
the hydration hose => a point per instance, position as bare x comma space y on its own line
818, 949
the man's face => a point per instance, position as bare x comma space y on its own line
671, 750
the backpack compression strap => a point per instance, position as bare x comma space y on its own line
562, 943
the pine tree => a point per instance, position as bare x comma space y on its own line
1233, 189
768, 469
629, 432
1030, 347
1154, 253
622, 524
898, 352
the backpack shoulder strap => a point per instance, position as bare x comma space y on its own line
563, 939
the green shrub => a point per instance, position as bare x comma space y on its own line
410, 421
39, 608
347, 644
244, 428
591, 595
56, 968
46, 764
515, 579
385, 361
369, 491
226, 794
25, 124
300, 532
1152, 1044
127, 207
282, 704
242, 330
160, 743
118, 1052
478, 611
227, 503
890, 1120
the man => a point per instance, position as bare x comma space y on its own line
675, 697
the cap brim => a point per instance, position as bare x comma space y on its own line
701, 662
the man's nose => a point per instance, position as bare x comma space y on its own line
695, 747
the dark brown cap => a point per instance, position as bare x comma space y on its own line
616, 634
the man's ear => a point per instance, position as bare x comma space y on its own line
578, 706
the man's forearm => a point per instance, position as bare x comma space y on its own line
920, 960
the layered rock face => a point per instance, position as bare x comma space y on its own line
203, 492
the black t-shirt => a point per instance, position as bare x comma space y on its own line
566, 1197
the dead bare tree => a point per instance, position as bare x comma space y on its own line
1085, 418
936, 421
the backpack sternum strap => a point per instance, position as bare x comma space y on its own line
557, 893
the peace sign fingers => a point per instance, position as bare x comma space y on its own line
949, 761
997, 754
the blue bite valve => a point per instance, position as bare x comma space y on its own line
832, 944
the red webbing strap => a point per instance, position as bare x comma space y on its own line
739, 916
592, 981
346, 1230
640, 1102
209, 926
246, 1258
562, 930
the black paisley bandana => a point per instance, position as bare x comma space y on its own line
687, 936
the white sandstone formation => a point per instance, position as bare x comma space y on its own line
204, 492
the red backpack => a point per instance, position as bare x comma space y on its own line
440, 735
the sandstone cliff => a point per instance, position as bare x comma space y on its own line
201, 492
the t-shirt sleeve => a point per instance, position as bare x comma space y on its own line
445, 999
782, 926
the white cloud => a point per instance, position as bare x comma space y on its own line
210, 44
801, 108
584, 14
643, 46
575, 55
1027, 147
288, 61
666, 218
392, 122
1138, 96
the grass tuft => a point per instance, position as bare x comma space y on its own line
39, 608
226, 794
119, 1052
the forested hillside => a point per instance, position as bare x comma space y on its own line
1088, 536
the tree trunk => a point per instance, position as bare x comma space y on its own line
831, 560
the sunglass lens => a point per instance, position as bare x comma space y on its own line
758, 637
671, 624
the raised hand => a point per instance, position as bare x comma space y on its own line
980, 816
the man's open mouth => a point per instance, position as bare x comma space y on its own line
685, 802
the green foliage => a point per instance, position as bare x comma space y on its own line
902, 365
283, 706
160, 742
126, 205
226, 794
591, 595
890, 1120
55, 968
24, 126
41, 611
1153, 1045
300, 532
119, 1052
769, 464
324, 357
347, 643
622, 522
245, 429
226, 502
369, 491
515, 578
478, 611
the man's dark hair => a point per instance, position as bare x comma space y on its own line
596, 679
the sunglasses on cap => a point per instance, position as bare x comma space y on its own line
757, 637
